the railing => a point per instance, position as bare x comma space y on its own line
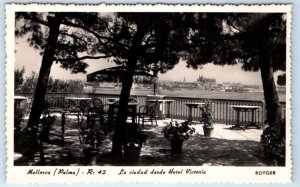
222, 108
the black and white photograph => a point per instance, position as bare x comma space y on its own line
144, 90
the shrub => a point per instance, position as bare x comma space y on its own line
206, 116
274, 146
178, 131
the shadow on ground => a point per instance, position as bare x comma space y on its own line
197, 151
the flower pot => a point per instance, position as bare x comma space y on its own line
176, 146
44, 135
207, 131
132, 154
90, 156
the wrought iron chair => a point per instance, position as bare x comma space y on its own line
112, 114
97, 102
130, 110
82, 114
95, 116
104, 107
92, 133
132, 100
147, 114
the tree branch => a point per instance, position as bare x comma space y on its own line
73, 36
82, 58
98, 36
34, 19
107, 26
67, 23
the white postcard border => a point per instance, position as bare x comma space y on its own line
18, 174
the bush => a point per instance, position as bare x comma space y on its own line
274, 146
178, 131
18, 118
206, 116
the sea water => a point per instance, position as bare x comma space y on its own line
196, 93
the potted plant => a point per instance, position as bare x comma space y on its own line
46, 125
177, 133
206, 119
133, 143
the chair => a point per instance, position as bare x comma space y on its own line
104, 107
147, 114
84, 108
130, 111
132, 100
95, 114
112, 113
93, 130
71, 105
83, 112
97, 102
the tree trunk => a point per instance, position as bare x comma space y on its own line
120, 125
47, 61
155, 80
270, 93
134, 52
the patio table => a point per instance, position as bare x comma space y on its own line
69, 111
63, 120
77, 110
78, 98
163, 110
19, 99
132, 107
244, 108
190, 106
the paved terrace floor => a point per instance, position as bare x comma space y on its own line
226, 147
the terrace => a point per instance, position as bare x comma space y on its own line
222, 108
227, 146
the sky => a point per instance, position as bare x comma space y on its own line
31, 60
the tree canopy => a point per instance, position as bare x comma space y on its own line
231, 38
257, 40
77, 40
142, 41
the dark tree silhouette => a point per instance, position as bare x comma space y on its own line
144, 39
137, 40
258, 41
255, 40
63, 38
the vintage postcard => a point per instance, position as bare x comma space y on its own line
148, 93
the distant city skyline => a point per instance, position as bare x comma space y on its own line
30, 59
